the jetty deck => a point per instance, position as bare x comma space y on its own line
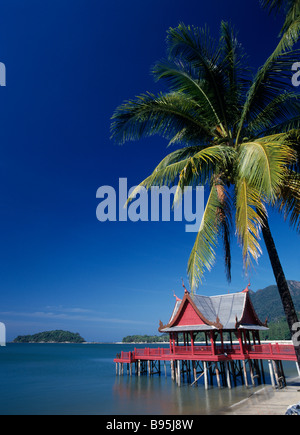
270, 351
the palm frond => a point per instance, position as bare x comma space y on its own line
196, 47
263, 163
291, 8
236, 71
288, 200
249, 210
165, 115
181, 77
284, 108
271, 80
187, 166
273, 6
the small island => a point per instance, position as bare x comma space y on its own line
57, 336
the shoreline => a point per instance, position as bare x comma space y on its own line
139, 342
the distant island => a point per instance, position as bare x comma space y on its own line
57, 336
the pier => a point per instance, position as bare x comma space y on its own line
216, 362
228, 366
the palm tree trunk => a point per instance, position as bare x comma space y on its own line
283, 288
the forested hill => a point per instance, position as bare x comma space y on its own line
57, 336
267, 302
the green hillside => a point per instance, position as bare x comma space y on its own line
267, 302
57, 336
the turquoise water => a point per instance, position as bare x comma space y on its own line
80, 380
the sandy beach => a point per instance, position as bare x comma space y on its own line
267, 401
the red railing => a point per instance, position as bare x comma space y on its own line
147, 351
272, 350
259, 351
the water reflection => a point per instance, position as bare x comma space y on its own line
160, 395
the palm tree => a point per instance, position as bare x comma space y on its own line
289, 33
234, 132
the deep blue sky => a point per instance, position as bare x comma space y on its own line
69, 64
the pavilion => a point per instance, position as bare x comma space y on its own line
214, 315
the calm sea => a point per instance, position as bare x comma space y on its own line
80, 380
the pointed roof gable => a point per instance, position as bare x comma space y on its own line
200, 313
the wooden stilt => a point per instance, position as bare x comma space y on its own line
211, 375
241, 372
228, 374
172, 370
223, 375
262, 371
257, 371
233, 371
178, 373
275, 372
205, 375
251, 372
271, 373
245, 373
217, 375
195, 372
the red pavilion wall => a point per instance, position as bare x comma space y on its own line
188, 316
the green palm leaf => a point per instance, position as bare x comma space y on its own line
181, 78
165, 115
187, 166
288, 200
264, 163
249, 212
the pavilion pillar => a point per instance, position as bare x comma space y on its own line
239, 336
206, 342
173, 342
258, 337
212, 341
192, 342
222, 341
